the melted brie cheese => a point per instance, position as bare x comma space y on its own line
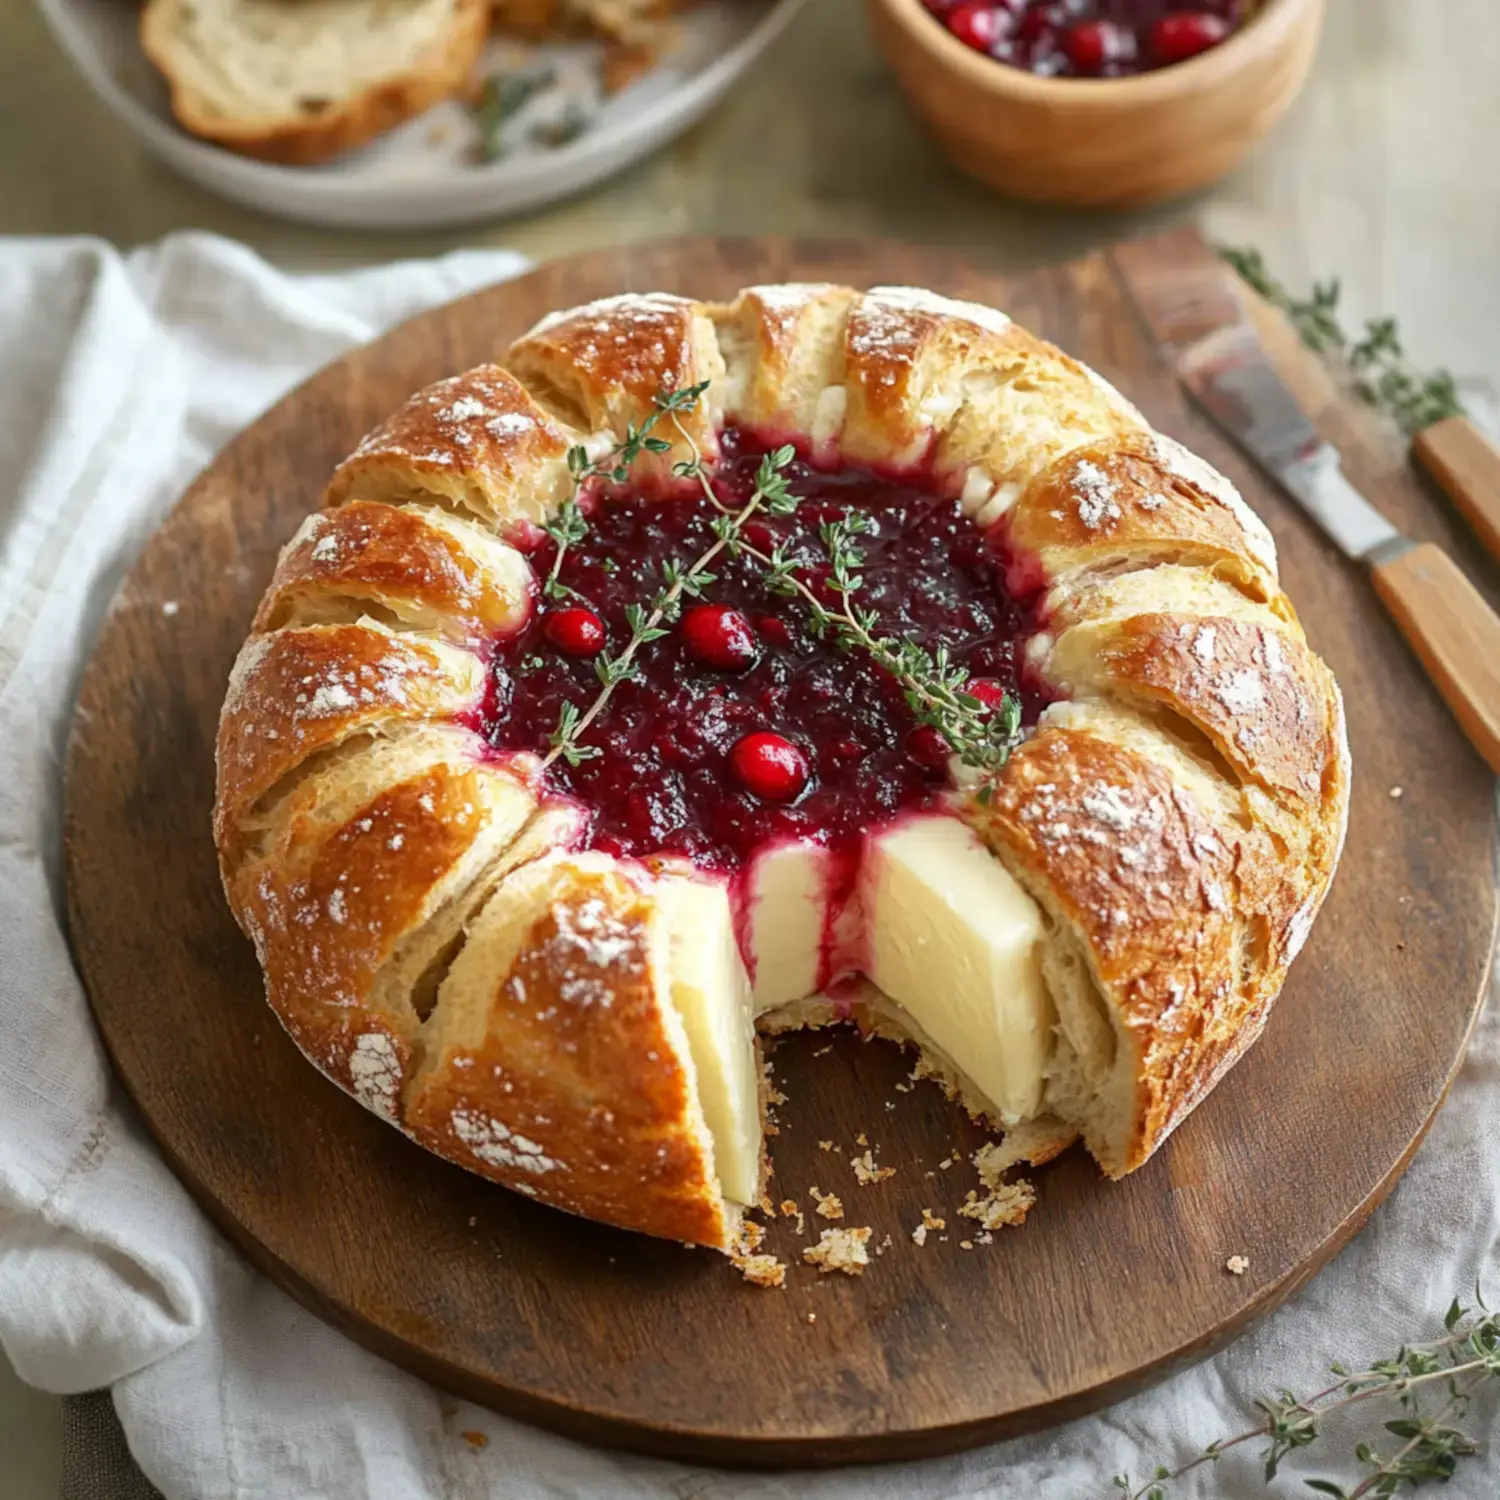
951, 937
786, 912
711, 993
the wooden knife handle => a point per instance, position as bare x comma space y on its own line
1455, 634
1466, 466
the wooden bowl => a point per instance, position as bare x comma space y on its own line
1120, 142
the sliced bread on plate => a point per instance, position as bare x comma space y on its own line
301, 81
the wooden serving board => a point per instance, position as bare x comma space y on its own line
623, 1340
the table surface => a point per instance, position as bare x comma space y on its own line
1384, 174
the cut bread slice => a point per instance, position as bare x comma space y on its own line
556, 1062
300, 81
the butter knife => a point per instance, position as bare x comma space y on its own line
1221, 362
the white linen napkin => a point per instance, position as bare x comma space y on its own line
119, 378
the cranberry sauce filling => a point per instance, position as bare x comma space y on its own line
744, 728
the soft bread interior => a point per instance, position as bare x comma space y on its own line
265, 60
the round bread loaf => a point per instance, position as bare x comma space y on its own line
503, 964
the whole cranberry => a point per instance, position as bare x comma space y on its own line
928, 747
575, 630
989, 692
719, 637
975, 24
1181, 34
773, 629
769, 766
1090, 45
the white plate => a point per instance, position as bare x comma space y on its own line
420, 176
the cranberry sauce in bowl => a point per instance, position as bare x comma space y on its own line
1091, 38
742, 727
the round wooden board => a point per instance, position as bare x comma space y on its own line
623, 1340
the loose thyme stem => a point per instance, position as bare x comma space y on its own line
1432, 1448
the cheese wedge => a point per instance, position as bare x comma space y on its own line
711, 993
952, 938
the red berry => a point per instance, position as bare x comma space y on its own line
772, 629
927, 747
576, 631
1181, 34
989, 692
759, 535
771, 767
1092, 44
975, 24
719, 637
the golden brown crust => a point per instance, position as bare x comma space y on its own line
573, 1085
339, 888
298, 692
1257, 693
420, 567
477, 442
333, 127
601, 366
1109, 503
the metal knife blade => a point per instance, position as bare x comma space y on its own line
1228, 374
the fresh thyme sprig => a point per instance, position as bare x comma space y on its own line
646, 624
1459, 1363
932, 683
569, 524
1375, 364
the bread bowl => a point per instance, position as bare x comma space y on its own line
552, 972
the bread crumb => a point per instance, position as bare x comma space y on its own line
966, 1244
812, 1317
747, 1237
884, 1245
473, 1220
932, 1220
761, 1270
789, 1210
905, 1088
829, 1206
1005, 1203
984, 1237
474, 1438
770, 1097
1396, 792
825, 1145
860, 1140
839, 1250
765, 1205
822, 1050
867, 1172
1237, 1265
946, 1162
1036, 1142
170, 608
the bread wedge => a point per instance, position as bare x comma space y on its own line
300, 81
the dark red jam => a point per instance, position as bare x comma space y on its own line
1090, 38
668, 780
